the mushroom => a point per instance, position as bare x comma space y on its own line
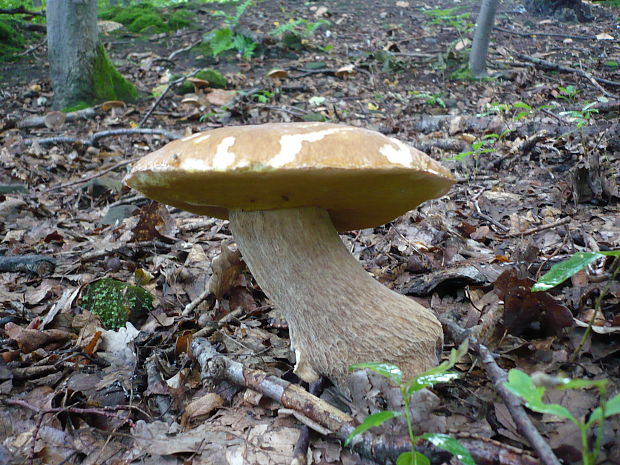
287, 189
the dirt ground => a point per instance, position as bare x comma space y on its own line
537, 181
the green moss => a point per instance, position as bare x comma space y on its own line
76, 107
108, 83
9, 36
150, 22
11, 41
116, 302
179, 19
214, 77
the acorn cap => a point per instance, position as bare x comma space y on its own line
361, 177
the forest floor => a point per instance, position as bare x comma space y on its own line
537, 171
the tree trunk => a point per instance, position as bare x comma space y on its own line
482, 36
81, 72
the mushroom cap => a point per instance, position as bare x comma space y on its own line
361, 177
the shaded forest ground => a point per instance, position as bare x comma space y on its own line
537, 181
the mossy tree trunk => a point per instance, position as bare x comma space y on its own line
482, 37
81, 72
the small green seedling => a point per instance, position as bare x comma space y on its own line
301, 27
532, 389
439, 374
429, 99
568, 93
560, 272
581, 117
226, 38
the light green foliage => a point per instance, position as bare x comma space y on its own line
568, 92
532, 389
560, 272
147, 18
451, 18
11, 41
114, 301
212, 76
581, 117
439, 374
263, 96
108, 83
293, 33
225, 38
148, 23
429, 99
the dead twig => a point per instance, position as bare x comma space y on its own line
93, 176
544, 34
498, 377
40, 265
174, 83
381, 448
540, 228
486, 217
92, 140
112, 412
546, 64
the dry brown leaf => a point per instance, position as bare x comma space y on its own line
221, 96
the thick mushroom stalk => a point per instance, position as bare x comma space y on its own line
337, 313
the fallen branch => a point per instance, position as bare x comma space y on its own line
381, 448
20, 11
546, 64
92, 140
41, 265
92, 176
543, 227
39, 121
498, 376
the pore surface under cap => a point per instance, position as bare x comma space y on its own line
361, 177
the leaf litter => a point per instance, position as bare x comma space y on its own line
475, 252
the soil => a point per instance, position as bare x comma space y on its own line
544, 185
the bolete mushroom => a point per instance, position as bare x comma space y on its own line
287, 189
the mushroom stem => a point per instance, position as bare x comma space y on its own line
336, 312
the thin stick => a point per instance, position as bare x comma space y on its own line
540, 228
498, 376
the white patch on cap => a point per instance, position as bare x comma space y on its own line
194, 164
290, 145
223, 158
202, 138
193, 136
399, 155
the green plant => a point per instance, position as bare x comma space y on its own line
532, 389
429, 99
232, 20
114, 301
301, 27
263, 96
568, 93
450, 17
560, 272
225, 38
481, 146
439, 374
581, 117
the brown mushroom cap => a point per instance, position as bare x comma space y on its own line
361, 177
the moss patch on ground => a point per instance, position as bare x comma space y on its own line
11, 41
145, 18
116, 302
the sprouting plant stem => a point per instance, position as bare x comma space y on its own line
601, 426
597, 308
406, 400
